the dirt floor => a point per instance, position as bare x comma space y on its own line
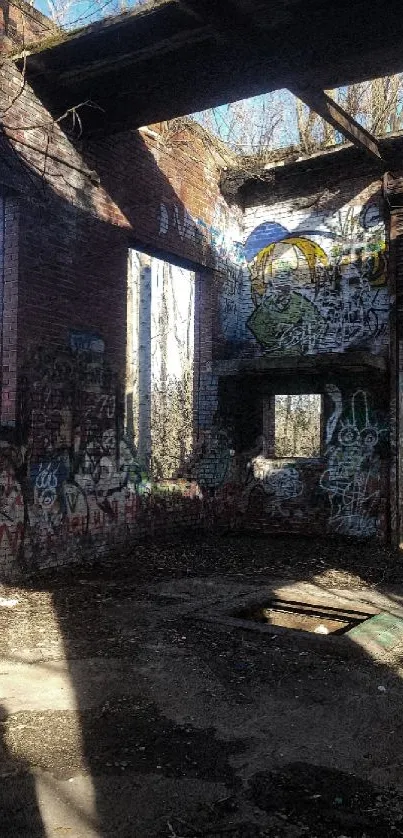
135, 702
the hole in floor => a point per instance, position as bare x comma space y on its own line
301, 616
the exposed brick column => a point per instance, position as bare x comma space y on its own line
9, 310
393, 188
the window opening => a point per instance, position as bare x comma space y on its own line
297, 425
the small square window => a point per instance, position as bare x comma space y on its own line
297, 425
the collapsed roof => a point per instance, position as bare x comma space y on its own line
172, 57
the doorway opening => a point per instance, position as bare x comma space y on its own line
160, 361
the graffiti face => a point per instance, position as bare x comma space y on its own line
282, 263
320, 290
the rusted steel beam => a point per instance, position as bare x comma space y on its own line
333, 113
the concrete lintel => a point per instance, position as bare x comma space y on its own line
298, 363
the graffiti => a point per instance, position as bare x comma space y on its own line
11, 500
280, 481
359, 246
82, 475
96, 409
107, 467
55, 376
11, 539
47, 477
370, 218
320, 290
352, 479
73, 495
274, 252
219, 239
50, 429
81, 341
12, 508
230, 302
309, 321
336, 397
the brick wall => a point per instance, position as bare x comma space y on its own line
72, 484
72, 481
21, 26
329, 259
309, 313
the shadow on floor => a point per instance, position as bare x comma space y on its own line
184, 727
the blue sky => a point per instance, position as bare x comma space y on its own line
82, 12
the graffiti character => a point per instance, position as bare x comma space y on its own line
352, 477
276, 260
309, 300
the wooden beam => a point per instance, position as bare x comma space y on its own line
228, 22
203, 69
318, 101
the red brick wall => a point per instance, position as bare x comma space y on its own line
22, 25
345, 490
72, 480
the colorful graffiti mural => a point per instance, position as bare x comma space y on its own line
77, 481
314, 289
80, 475
315, 283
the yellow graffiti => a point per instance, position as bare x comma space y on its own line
372, 264
263, 263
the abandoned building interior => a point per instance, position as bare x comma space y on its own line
201, 424
185, 341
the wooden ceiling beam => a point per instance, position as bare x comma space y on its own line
318, 101
224, 17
